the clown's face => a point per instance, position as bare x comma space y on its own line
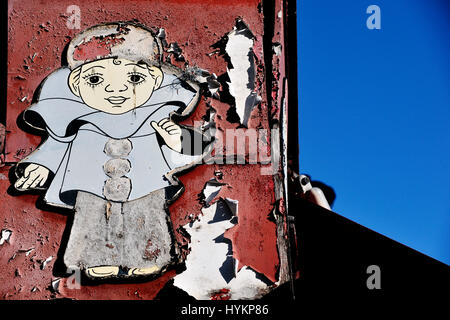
115, 85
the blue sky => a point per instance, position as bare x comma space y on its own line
374, 114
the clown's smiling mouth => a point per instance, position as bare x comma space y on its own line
116, 99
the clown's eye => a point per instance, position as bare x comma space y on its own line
136, 78
93, 79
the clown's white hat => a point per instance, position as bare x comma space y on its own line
123, 40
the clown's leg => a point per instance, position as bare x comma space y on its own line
149, 246
96, 238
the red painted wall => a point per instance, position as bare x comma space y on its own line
37, 35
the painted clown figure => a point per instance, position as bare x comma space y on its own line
111, 144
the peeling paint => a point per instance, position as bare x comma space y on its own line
276, 48
6, 234
55, 285
45, 262
233, 205
210, 266
223, 294
175, 50
27, 252
98, 46
211, 190
17, 273
239, 49
204, 77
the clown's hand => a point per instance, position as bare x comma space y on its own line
34, 176
170, 132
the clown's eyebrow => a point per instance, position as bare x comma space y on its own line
93, 67
135, 64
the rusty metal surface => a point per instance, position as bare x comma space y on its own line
37, 36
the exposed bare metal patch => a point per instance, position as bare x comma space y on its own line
239, 49
210, 267
6, 234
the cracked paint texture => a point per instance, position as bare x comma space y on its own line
37, 35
